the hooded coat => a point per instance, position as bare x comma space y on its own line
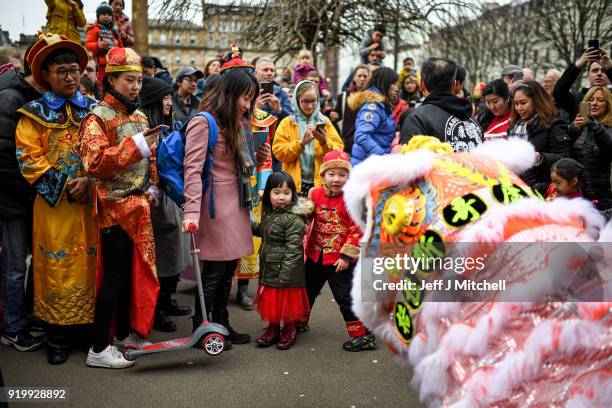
447, 117
374, 127
288, 149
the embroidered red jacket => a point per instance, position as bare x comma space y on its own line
334, 234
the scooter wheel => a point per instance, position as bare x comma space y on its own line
213, 344
127, 354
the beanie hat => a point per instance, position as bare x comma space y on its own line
104, 8
153, 90
336, 159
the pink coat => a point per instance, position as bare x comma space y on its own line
228, 235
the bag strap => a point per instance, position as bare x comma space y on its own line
213, 137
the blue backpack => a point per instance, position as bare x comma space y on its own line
170, 161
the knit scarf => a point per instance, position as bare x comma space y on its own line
109, 33
246, 163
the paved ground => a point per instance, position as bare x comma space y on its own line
316, 372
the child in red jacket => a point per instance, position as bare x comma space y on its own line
102, 36
333, 248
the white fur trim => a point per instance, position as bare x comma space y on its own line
391, 168
141, 144
603, 397
559, 211
605, 267
521, 366
517, 154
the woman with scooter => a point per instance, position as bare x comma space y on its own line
220, 213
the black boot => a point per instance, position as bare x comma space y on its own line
242, 295
57, 352
234, 337
162, 322
174, 309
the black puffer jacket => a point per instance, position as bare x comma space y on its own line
564, 97
592, 147
16, 194
552, 143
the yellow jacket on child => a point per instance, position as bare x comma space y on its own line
287, 149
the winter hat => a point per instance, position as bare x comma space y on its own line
511, 70
46, 44
236, 61
336, 159
153, 89
122, 60
188, 71
104, 8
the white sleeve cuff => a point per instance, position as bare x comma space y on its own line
141, 144
154, 193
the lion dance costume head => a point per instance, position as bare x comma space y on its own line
555, 349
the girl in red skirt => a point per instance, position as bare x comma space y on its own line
282, 289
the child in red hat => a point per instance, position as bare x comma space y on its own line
333, 248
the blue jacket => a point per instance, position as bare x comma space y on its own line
374, 128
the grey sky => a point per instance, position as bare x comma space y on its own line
27, 16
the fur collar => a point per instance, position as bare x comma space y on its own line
358, 99
303, 207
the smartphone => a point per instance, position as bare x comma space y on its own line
160, 128
593, 44
267, 88
585, 109
321, 126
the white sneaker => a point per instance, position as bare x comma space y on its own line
110, 357
133, 341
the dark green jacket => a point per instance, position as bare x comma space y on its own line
281, 257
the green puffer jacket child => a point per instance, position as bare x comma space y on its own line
281, 258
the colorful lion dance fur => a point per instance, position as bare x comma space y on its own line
552, 351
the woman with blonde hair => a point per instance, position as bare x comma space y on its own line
592, 147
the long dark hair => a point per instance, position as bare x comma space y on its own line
409, 97
222, 99
277, 179
155, 114
542, 101
383, 79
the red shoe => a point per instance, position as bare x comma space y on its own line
288, 337
270, 336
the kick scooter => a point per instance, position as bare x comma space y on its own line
211, 335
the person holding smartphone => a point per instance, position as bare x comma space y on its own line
272, 99
118, 151
591, 135
171, 245
303, 138
599, 66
